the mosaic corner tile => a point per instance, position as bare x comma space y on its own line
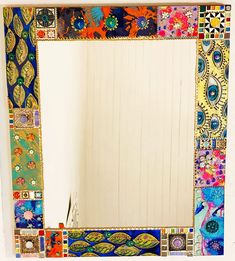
177, 242
214, 22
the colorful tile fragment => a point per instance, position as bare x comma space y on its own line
209, 168
26, 160
177, 21
208, 144
29, 214
209, 221
54, 244
107, 22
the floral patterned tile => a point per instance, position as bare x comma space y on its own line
177, 21
210, 168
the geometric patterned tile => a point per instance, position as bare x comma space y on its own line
214, 22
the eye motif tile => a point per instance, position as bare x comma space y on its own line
209, 221
214, 22
212, 88
177, 21
26, 160
209, 168
29, 214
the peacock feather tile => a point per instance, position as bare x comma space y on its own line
209, 221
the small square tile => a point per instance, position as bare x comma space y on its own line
190, 236
17, 232
41, 232
23, 118
177, 242
190, 248
25, 195
45, 17
38, 195
29, 244
190, 242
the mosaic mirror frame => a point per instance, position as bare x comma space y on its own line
210, 26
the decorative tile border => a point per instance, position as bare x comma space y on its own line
177, 242
209, 25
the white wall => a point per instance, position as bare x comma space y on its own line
6, 217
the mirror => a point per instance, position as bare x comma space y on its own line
118, 132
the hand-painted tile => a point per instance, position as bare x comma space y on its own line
209, 221
209, 168
54, 244
21, 57
114, 243
107, 22
46, 23
177, 21
26, 160
212, 88
177, 241
29, 214
214, 22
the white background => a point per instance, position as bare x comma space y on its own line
6, 209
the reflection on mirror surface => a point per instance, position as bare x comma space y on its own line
117, 132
